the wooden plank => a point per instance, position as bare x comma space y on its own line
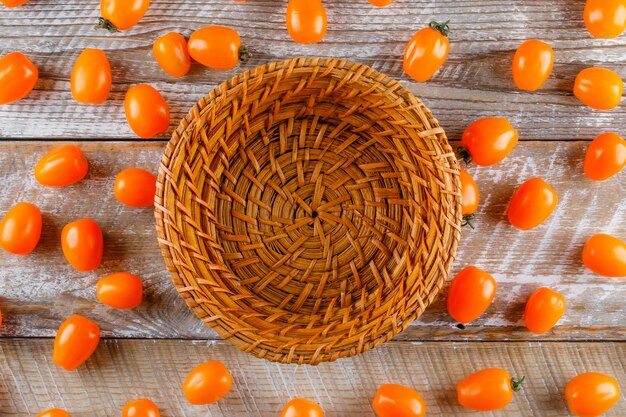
40, 290
122, 370
475, 82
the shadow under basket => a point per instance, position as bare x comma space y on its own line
308, 210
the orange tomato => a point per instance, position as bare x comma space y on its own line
82, 244
140, 408
13, 3
605, 18
393, 400
121, 14
91, 77
591, 394
532, 64
54, 412
544, 309
216, 47
488, 141
426, 51
207, 383
470, 198
20, 229
135, 187
61, 166
606, 156
381, 3
146, 111
532, 203
300, 407
120, 290
306, 21
75, 341
471, 293
599, 88
170, 52
487, 390
18, 76
605, 255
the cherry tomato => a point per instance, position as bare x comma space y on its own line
470, 198
18, 76
606, 156
207, 383
121, 14
381, 3
532, 203
605, 18
605, 255
427, 51
544, 309
146, 111
20, 229
82, 244
13, 3
216, 47
488, 141
141, 408
487, 390
170, 52
306, 21
91, 77
591, 394
75, 341
599, 88
54, 412
471, 293
393, 400
120, 290
62, 166
532, 64
299, 407
135, 187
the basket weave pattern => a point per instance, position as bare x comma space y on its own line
309, 209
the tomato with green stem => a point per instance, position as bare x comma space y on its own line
605, 18
470, 198
20, 229
392, 400
544, 309
207, 383
121, 14
64, 165
141, 408
54, 412
472, 291
532, 203
75, 341
427, 51
599, 88
301, 407
82, 244
18, 76
605, 157
172, 55
217, 47
591, 394
146, 111
306, 21
91, 77
135, 187
487, 390
605, 255
532, 64
120, 290
487, 141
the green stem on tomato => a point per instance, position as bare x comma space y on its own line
516, 384
244, 53
442, 28
105, 24
464, 155
467, 220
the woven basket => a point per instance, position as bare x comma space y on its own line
309, 209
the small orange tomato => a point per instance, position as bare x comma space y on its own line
306, 21
140, 408
605, 255
544, 309
216, 47
61, 166
591, 394
91, 77
170, 52
381, 3
20, 229
487, 390
207, 383
82, 244
605, 18
488, 141
393, 400
471, 293
470, 198
599, 88
75, 341
13, 3
54, 412
146, 111
532, 64
532, 203
121, 14
18, 76
300, 407
606, 156
120, 290
135, 187
427, 51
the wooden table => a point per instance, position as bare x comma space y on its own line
148, 351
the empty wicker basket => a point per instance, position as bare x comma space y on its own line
308, 210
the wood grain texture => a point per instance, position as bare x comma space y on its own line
39, 291
475, 82
123, 370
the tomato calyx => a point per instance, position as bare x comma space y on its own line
442, 28
464, 155
467, 221
105, 24
516, 384
244, 53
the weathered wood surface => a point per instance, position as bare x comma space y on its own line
38, 291
123, 370
475, 81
